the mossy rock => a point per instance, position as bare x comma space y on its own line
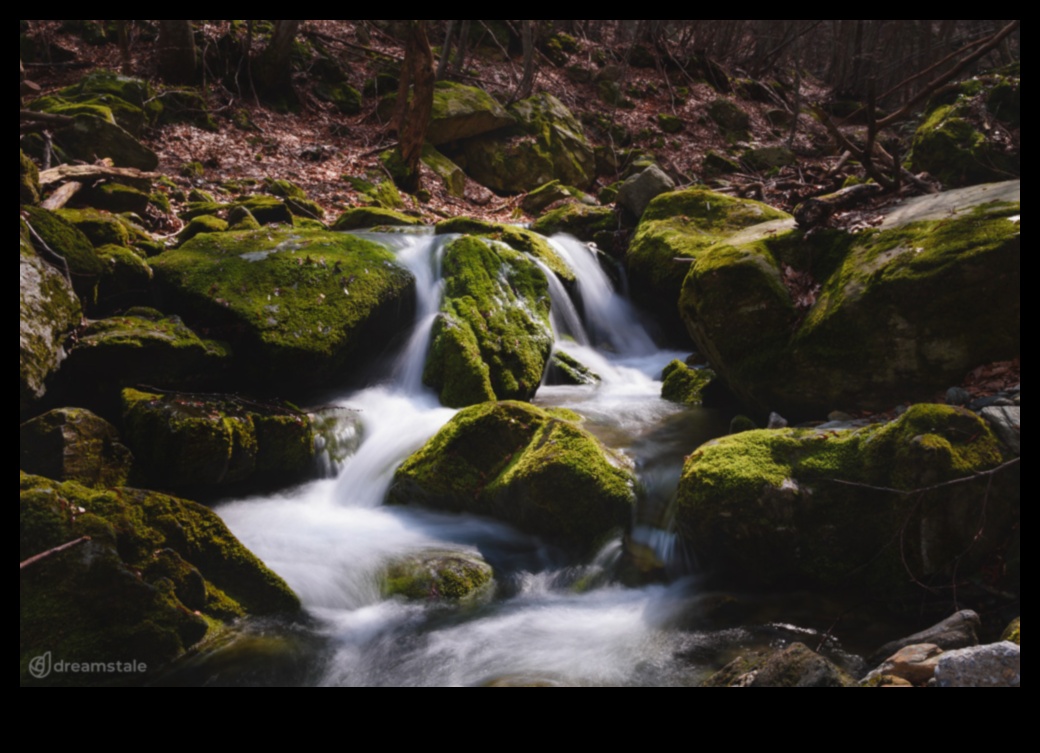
768, 157
902, 311
669, 123
566, 369
155, 577
459, 112
682, 224
102, 228
28, 180
266, 209
204, 223
201, 207
732, 121
141, 346
681, 384
959, 147
451, 175
528, 467
282, 188
492, 337
867, 510
89, 138
342, 95
125, 280
73, 444
184, 105
586, 223
715, 164
547, 143
101, 84
67, 241
195, 442
299, 307
517, 238
439, 575
115, 197
49, 311
1013, 632
361, 218
551, 192
241, 218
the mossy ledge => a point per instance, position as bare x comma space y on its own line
157, 575
834, 508
535, 469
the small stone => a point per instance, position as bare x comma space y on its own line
914, 663
637, 191
1006, 421
776, 421
957, 396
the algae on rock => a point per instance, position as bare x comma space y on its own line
535, 469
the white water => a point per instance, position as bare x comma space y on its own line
329, 539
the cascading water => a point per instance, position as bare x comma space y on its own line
331, 539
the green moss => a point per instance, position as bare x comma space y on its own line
204, 223
496, 300
799, 506
1013, 632
100, 227
192, 170
731, 120
451, 175
118, 596
523, 465
360, 218
292, 302
285, 189
438, 576
188, 441
125, 279
580, 220
681, 384
73, 444
28, 180
266, 209
345, 97
669, 123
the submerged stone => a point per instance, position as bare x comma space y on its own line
535, 469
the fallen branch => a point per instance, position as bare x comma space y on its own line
60, 548
814, 212
61, 196
86, 173
941, 485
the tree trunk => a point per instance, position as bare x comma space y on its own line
527, 80
414, 112
177, 62
272, 65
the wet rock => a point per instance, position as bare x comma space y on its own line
73, 444
439, 575
957, 396
681, 384
535, 469
995, 665
915, 663
796, 666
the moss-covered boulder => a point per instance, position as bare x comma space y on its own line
28, 180
566, 369
451, 175
205, 223
796, 666
299, 307
835, 321
150, 576
730, 118
867, 509
267, 209
492, 337
586, 223
116, 197
535, 469
551, 192
141, 346
966, 134
49, 311
681, 384
56, 235
73, 444
439, 575
360, 218
100, 227
546, 143
91, 138
682, 224
459, 112
125, 278
517, 238
193, 442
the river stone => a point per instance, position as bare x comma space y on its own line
796, 666
48, 312
299, 307
959, 630
1006, 421
194, 442
73, 444
535, 469
904, 310
492, 337
637, 190
995, 665
129, 593
914, 663
685, 224
439, 575
789, 506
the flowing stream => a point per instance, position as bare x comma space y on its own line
552, 620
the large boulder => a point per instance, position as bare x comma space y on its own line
870, 510
298, 306
73, 444
146, 577
459, 112
492, 337
194, 443
535, 469
683, 224
546, 143
805, 326
48, 313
